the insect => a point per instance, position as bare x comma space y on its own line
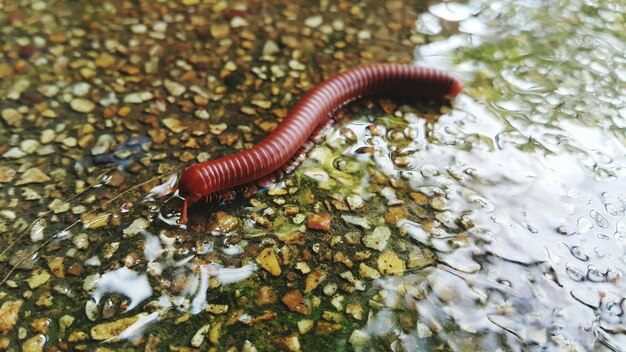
275, 153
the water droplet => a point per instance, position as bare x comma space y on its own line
594, 274
599, 219
574, 273
579, 253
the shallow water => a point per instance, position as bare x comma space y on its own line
509, 206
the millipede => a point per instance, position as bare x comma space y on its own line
276, 154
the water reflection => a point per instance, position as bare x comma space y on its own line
537, 170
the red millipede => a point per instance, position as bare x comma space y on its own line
309, 115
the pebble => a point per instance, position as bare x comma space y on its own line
313, 21
174, 88
104, 60
103, 144
139, 28
70, 142
11, 116
34, 344
174, 124
6, 174
138, 97
81, 89
82, 105
378, 239
29, 145
267, 260
9, 312
47, 136
14, 153
46, 150
32, 175
201, 114
48, 90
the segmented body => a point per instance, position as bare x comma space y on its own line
309, 115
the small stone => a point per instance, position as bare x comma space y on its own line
201, 114
82, 105
320, 222
6, 174
174, 88
9, 312
313, 280
138, 97
313, 21
367, 272
47, 136
14, 153
32, 175
355, 202
56, 265
219, 30
265, 296
38, 278
70, 142
11, 117
58, 206
139, 28
224, 222
390, 264
218, 129
174, 124
295, 302
136, 227
112, 329
34, 344
94, 221
267, 260
103, 144
378, 239
104, 60
270, 48
81, 89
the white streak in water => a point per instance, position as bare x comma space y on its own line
127, 282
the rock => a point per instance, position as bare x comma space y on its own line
11, 116
33, 175
174, 124
390, 264
136, 227
313, 21
34, 344
138, 97
39, 277
9, 312
81, 89
378, 239
219, 30
313, 280
103, 144
295, 302
105, 60
14, 153
110, 330
82, 105
174, 88
47, 136
367, 272
320, 222
265, 296
267, 260
6, 174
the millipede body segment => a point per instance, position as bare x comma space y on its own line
311, 113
